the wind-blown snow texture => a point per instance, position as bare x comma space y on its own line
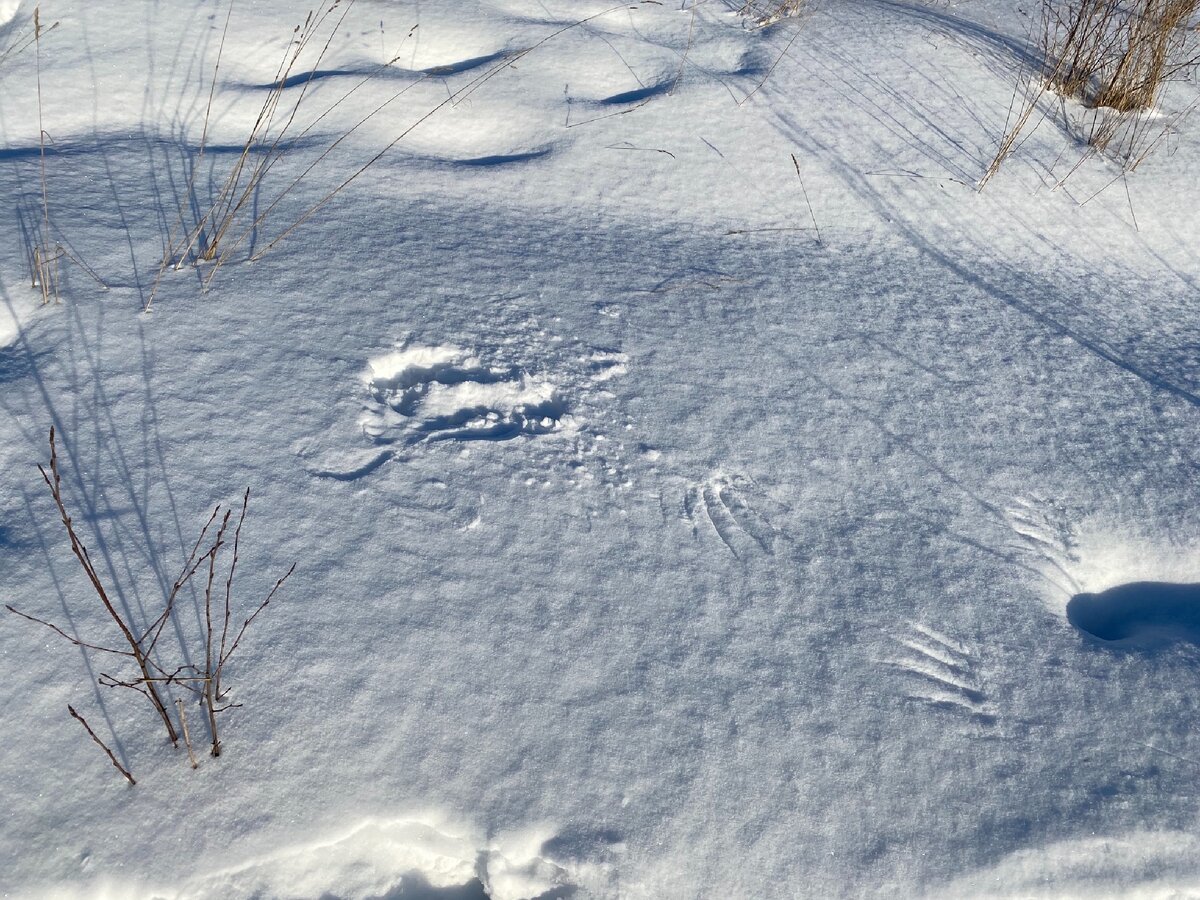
650, 544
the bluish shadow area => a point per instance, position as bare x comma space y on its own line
415, 887
1144, 612
635, 96
28, 152
503, 159
381, 71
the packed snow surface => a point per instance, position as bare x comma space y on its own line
697, 487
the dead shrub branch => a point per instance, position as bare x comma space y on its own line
151, 675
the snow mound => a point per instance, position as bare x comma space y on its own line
479, 134
409, 857
372, 859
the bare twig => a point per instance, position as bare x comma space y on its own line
209, 698
246, 624
237, 536
54, 481
103, 746
59, 631
190, 568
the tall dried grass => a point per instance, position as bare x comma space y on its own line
1113, 57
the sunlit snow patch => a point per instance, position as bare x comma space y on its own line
14, 314
391, 858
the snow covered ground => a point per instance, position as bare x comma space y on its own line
667, 524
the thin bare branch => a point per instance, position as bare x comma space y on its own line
53, 480
237, 536
103, 746
246, 624
59, 631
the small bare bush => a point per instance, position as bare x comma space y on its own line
145, 658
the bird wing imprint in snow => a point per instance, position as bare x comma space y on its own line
722, 502
444, 393
424, 395
1044, 541
939, 671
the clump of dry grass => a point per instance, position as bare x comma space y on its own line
1118, 55
1113, 57
768, 12
271, 136
241, 210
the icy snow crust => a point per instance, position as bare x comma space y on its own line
648, 545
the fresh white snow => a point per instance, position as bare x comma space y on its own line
672, 518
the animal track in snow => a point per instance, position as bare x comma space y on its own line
939, 671
445, 393
722, 502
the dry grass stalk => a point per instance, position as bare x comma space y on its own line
23, 41
808, 203
103, 746
45, 261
